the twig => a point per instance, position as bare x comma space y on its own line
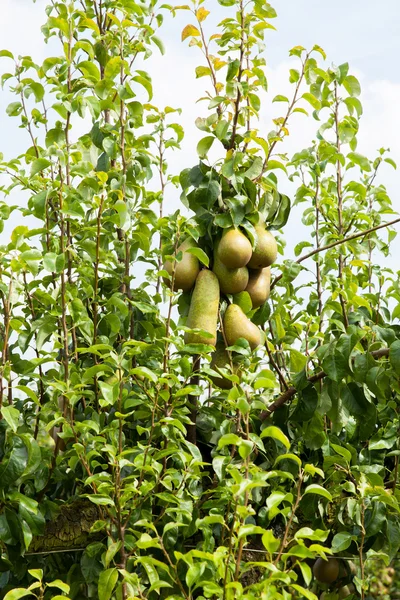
292, 391
337, 243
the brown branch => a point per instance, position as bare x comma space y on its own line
339, 185
292, 391
239, 77
337, 243
286, 118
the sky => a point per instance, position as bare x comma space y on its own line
361, 32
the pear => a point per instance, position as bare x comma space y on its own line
203, 310
231, 281
186, 270
234, 249
220, 359
259, 286
237, 325
265, 251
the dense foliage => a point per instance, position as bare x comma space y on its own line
107, 488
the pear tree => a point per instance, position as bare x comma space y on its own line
188, 409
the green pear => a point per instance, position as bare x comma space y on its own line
231, 281
186, 270
234, 249
237, 325
259, 286
203, 310
265, 251
220, 360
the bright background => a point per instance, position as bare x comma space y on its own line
362, 32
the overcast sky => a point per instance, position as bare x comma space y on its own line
363, 32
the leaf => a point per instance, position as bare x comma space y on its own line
306, 593
107, 582
202, 71
360, 160
200, 254
341, 541
315, 103
57, 583
394, 356
314, 488
280, 98
228, 439
306, 404
11, 415
204, 146
352, 85
189, 31
17, 593
144, 372
39, 165
202, 14
276, 434
6, 53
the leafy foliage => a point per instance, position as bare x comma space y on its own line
108, 487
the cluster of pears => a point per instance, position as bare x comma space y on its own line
237, 267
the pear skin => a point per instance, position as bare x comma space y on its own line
220, 360
203, 310
259, 286
265, 251
237, 325
231, 281
186, 270
234, 249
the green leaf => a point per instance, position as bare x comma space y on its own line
315, 103
360, 160
57, 583
39, 165
314, 488
341, 541
107, 582
144, 372
306, 593
394, 356
280, 98
6, 53
11, 415
113, 67
276, 434
228, 439
204, 146
352, 85
200, 254
202, 72
17, 593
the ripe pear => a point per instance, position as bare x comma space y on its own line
234, 249
259, 286
203, 310
237, 325
231, 281
186, 270
265, 251
220, 359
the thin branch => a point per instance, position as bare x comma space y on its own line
354, 236
292, 391
239, 78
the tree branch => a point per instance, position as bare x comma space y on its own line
292, 391
337, 243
